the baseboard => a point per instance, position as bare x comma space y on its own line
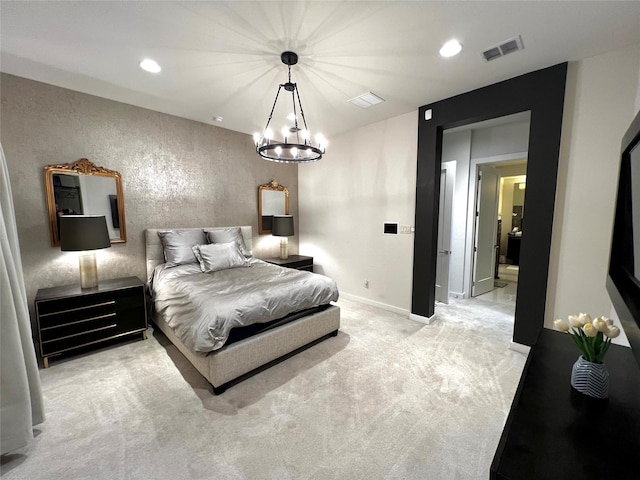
390, 308
518, 347
456, 294
373, 303
421, 319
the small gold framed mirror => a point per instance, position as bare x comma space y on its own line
273, 199
83, 188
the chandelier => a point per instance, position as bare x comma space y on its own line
296, 145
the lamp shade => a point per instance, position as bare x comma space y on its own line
282, 226
83, 232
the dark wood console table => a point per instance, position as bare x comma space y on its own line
554, 432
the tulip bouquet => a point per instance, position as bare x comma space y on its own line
592, 337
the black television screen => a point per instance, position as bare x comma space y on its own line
623, 283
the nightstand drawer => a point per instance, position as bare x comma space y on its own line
66, 310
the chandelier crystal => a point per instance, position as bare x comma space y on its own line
295, 144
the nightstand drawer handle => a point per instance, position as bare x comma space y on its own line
78, 321
111, 302
113, 325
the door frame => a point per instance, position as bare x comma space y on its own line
473, 192
480, 186
449, 170
541, 92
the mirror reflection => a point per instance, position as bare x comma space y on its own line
273, 199
83, 188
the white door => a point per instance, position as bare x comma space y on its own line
486, 230
444, 233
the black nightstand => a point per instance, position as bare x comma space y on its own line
299, 262
70, 318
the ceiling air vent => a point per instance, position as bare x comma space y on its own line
366, 100
508, 46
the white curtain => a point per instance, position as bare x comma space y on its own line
20, 393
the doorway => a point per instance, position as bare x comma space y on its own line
510, 231
471, 233
540, 92
485, 230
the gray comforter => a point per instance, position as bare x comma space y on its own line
201, 308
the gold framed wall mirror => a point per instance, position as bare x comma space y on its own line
84, 188
273, 199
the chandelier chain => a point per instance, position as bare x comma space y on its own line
272, 109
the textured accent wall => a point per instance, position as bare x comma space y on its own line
176, 173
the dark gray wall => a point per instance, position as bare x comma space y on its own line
176, 173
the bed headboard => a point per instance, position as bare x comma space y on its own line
155, 252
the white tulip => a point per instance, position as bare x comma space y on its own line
612, 332
589, 330
561, 325
609, 321
574, 321
584, 318
600, 324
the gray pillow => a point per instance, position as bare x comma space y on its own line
178, 245
219, 256
227, 235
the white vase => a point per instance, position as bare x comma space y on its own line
590, 378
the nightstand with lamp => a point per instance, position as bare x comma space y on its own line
75, 317
283, 228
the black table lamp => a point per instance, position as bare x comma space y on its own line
83, 233
283, 227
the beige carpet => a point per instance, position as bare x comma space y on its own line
387, 398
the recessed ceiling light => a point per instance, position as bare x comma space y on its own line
150, 65
218, 118
451, 48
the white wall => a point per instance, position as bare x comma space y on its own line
368, 177
499, 140
369, 174
599, 106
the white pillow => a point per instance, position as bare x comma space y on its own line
219, 256
227, 235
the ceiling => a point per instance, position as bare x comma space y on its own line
223, 58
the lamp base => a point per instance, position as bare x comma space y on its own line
284, 248
88, 270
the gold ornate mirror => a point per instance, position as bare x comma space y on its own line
273, 199
84, 188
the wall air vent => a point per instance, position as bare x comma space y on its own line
508, 46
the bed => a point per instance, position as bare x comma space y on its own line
224, 356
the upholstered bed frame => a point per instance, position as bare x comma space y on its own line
235, 362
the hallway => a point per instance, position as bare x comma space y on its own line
506, 287
498, 305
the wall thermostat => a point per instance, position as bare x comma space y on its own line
391, 228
